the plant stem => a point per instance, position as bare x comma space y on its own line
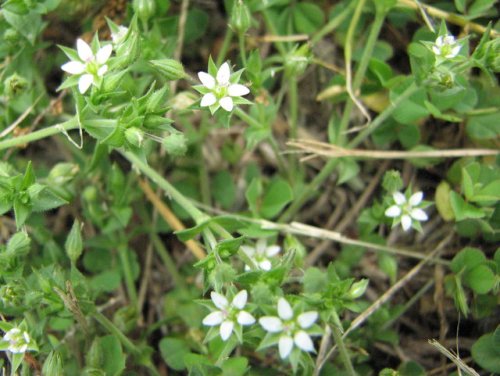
178, 197
337, 335
332, 24
127, 272
243, 53
225, 47
105, 322
38, 135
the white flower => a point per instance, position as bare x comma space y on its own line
229, 314
91, 67
446, 47
18, 340
261, 254
292, 329
221, 90
405, 211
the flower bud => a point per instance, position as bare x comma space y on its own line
358, 289
112, 80
170, 68
144, 9
297, 60
15, 85
74, 243
128, 51
175, 144
62, 173
392, 181
135, 136
240, 17
155, 121
53, 365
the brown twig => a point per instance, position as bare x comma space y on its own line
170, 218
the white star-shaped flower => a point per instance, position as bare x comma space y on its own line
229, 314
90, 67
446, 47
293, 329
406, 211
220, 90
18, 340
261, 254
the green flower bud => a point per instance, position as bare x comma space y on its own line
11, 35
392, 181
112, 80
128, 51
240, 17
53, 365
62, 173
297, 60
74, 242
90, 194
170, 68
175, 144
11, 295
135, 136
15, 85
144, 9
358, 289
155, 121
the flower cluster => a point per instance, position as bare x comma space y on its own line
446, 47
406, 211
292, 329
261, 254
18, 340
91, 66
219, 91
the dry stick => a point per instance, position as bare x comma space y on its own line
348, 218
280, 38
388, 294
170, 218
455, 359
334, 151
450, 17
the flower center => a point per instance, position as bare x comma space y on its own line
92, 67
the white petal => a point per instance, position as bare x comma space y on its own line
393, 212
73, 67
219, 300
271, 324
284, 309
226, 103
223, 74
240, 299
439, 41
303, 341
260, 247
207, 80
436, 50
84, 82
399, 198
237, 90
102, 70
454, 52
265, 265
406, 222
249, 251
226, 329
419, 215
416, 198
307, 319
285, 345
208, 100
84, 50
449, 39
273, 250
214, 318
11, 334
103, 54
244, 318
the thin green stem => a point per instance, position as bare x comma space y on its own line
332, 24
337, 336
178, 197
243, 52
127, 271
293, 105
110, 327
38, 135
270, 26
225, 46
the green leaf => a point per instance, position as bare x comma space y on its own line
463, 210
173, 351
253, 193
442, 200
490, 192
348, 169
411, 109
460, 5
21, 211
19, 243
277, 196
467, 258
236, 366
483, 127
486, 352
481, 8
29, 177
314, 280
46, 199
467, 184
481, 279
308, 17
28, 25
113, 356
